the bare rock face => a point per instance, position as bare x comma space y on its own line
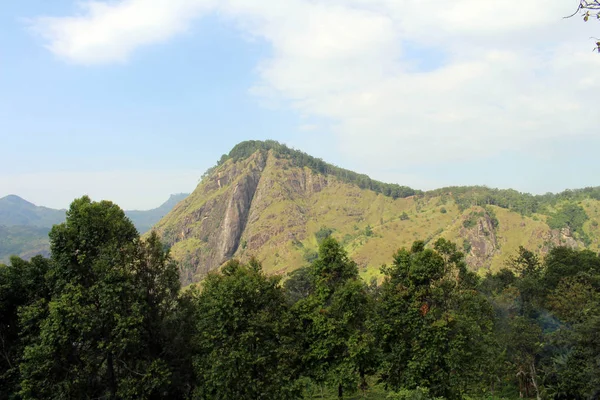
559, 237
483, 241
236, 214
278, 211
204, 231
211, 226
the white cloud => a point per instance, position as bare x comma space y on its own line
107, 32
401, 81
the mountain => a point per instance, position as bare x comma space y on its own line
17, 211
144, 220
266, 200
24, 227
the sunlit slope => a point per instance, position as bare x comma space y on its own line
267, 204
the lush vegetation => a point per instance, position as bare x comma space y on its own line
464, 196
105, 317
24, 227
562, 209
523, 203
245, 149
23, 240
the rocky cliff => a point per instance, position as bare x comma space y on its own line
266, 205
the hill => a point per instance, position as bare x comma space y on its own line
266, 200
144, 220
16, 211
24, 227
24, 241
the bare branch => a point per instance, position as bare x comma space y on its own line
585, 6
576, 11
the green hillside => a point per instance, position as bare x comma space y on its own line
24, 241
266, 200
16, 211
24, 226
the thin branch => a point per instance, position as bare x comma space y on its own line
5, 352
586, 5
579, 7
129, 369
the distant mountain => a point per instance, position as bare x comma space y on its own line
145, 220
24, 227
16, 211
266, 200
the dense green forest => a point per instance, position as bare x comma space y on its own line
105, 317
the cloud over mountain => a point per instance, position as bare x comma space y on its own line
399, 82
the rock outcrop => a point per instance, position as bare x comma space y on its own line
480, 235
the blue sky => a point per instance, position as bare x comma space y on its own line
131, 101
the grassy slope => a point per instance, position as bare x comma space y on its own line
24, 241
284, 220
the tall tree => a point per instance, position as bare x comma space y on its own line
102, 334
245, 338
336, 320
22, 283
435, 329
529, 268
546, 313
572, 286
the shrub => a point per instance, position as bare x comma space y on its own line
323, 234
467, 246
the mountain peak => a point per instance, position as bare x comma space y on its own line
14, 199
15, 210
297, 158
266, 200
265, 195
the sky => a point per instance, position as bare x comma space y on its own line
132, 100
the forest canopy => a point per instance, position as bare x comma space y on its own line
105, 317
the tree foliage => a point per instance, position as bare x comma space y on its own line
523, 203
105, 317
571, 216
434, 327
338, 341
107, 327
589, 9
245, 337
22, 284
545, 316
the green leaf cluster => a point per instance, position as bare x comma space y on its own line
245, 337
100, 319
435, 328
